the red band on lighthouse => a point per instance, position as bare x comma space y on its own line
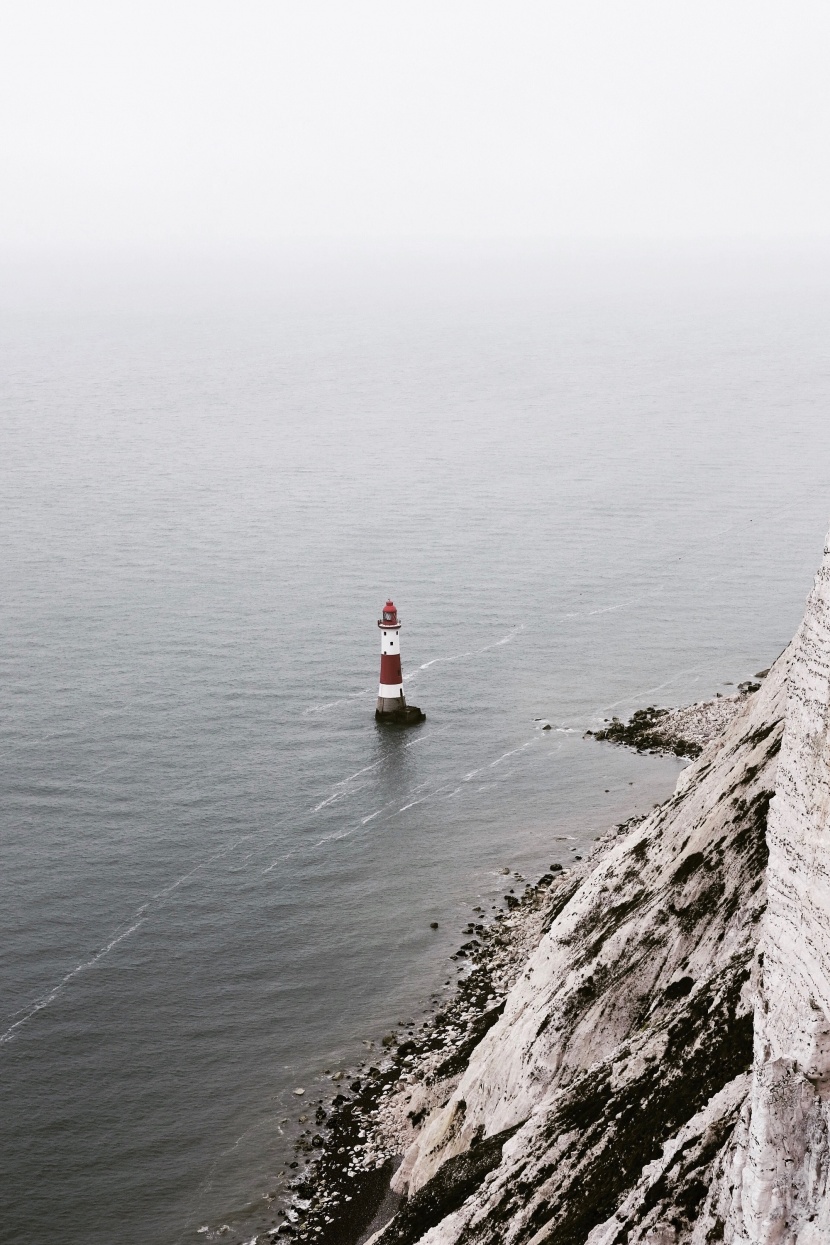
390, 669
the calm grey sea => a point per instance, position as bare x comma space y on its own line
589, 484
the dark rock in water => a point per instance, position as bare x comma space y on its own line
643, 733
433, 925
410, 715
547, 727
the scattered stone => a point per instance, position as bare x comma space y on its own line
685, 732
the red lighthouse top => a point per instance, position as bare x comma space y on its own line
390, 616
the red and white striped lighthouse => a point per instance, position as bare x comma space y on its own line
391, 702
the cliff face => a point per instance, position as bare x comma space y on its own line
661, 1072
772, 1181
596, 1109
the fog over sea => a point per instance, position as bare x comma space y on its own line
590, 483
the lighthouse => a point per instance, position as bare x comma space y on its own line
392, 706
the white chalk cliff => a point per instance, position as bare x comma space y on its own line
661, 1071
772, 1181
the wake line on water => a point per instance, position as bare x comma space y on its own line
434, 661
341, 786
629, 699
611, 609
370, 691
340, 792
139, 917
511, 635
332, 704
473, 652
511, 753
422, 739
136, 921
648, 691
46, 999
440, 792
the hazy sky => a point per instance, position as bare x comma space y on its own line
262, 120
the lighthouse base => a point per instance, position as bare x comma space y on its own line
397, 712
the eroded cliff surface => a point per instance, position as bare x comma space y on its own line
596, 1110
772, 1180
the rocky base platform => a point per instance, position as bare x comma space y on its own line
410, 716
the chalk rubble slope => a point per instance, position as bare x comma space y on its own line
596, 1110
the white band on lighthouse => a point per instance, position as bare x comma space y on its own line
390, 691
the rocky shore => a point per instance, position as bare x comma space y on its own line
684, 731
638, 1049
363, 1131
559, 1071
368, 1133
354, 1140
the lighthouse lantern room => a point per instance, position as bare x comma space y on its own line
392, 704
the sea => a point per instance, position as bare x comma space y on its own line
591, 480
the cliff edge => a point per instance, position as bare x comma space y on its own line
772, 1179
661, 1069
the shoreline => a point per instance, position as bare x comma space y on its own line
336, 1200
684, 731
355, 1142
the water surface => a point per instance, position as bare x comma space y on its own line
588, 486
